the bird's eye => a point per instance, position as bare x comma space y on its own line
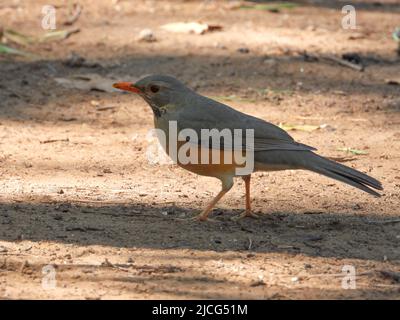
154, 88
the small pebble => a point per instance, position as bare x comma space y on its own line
243, 50
146, 35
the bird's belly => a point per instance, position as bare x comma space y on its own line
211, 170
210, 162
220, 163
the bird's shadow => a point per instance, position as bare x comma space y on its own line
140, 225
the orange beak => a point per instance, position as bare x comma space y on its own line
127, 86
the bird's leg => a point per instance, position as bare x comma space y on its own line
248, 212
203, 216
247, 186
226, 186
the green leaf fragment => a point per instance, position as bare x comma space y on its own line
353, 151
8, 50
270, 7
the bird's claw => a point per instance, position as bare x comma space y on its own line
199, 217
246, 214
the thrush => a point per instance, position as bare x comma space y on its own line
272, 148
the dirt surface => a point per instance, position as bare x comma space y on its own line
90, 207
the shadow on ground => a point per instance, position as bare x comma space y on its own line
138, 225
32, 84
377, 6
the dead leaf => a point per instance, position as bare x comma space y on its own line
232, 98
57, 35
68, 119
105, 108
74, 14
300, 127
87, 82
190, 27
353, 151
392, 275
275, 7
25, 40
342, 159
18, 38
54, 140
394, 82
356, 36
339, 92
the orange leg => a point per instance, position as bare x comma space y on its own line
248, 201
203, 216
248, 212
227, 184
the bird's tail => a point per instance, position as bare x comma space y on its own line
308, 160
343, 173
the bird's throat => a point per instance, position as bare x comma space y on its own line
156, 110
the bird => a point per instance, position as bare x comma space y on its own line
273, 148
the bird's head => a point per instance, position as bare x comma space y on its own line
157, 90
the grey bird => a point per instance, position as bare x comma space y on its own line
272, 148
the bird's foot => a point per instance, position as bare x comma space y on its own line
246, 214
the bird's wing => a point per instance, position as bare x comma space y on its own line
204, 113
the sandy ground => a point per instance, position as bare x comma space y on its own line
89, 217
